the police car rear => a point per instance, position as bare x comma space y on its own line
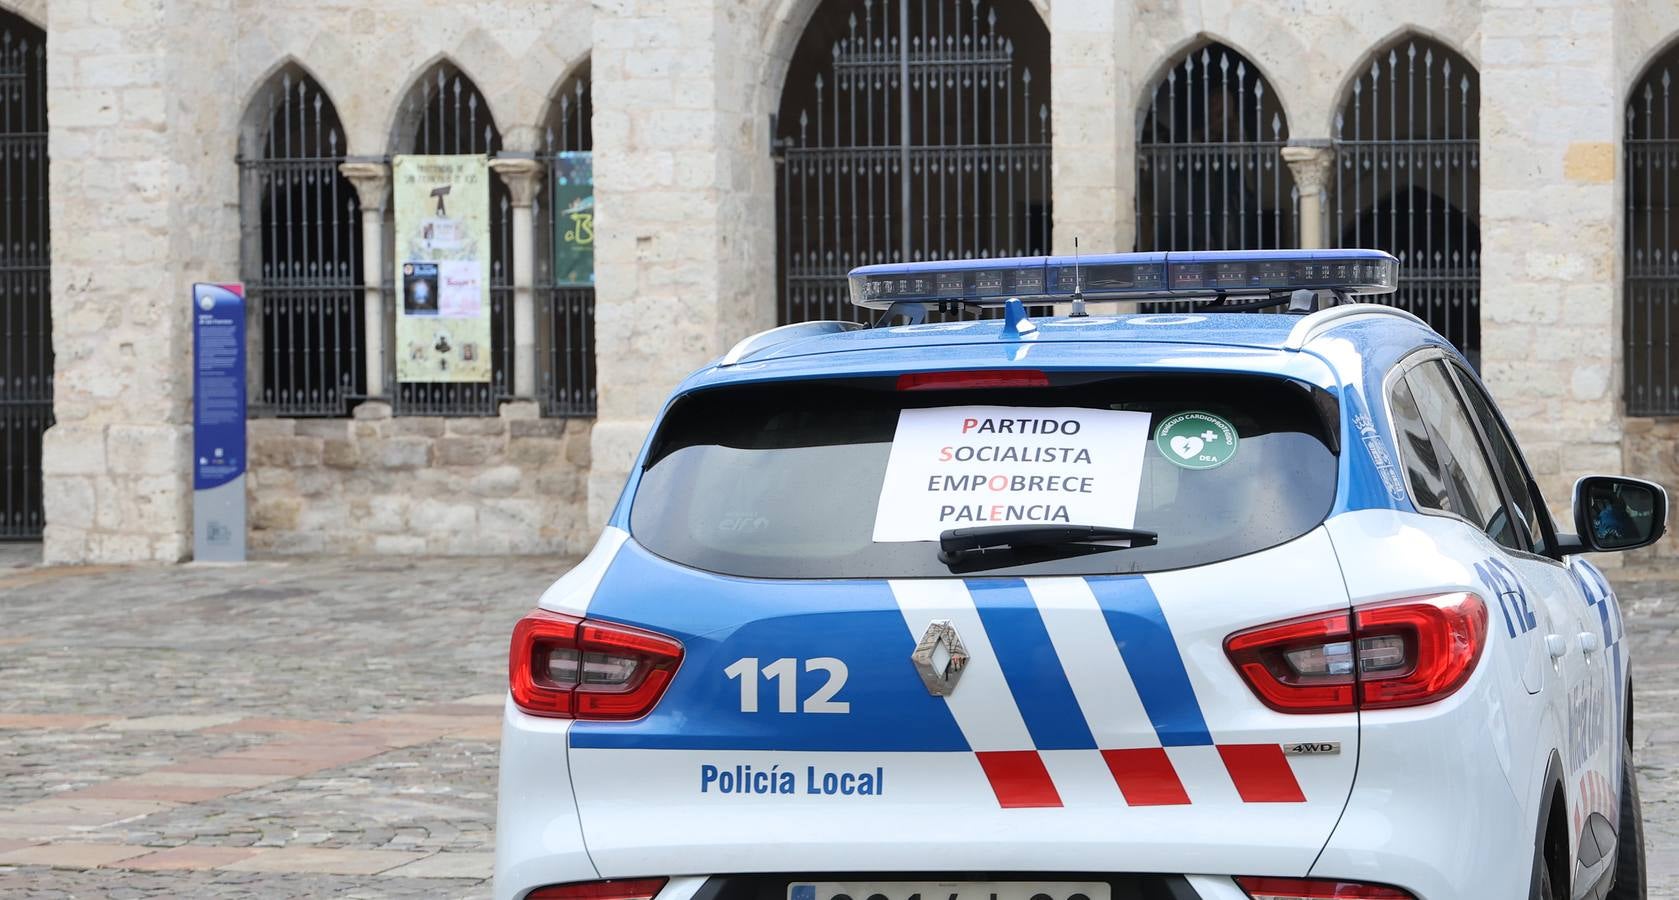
995, 611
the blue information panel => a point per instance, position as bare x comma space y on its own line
218, 422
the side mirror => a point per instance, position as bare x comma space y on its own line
1613, 513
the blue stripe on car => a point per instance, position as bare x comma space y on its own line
1145, 641
1031, 667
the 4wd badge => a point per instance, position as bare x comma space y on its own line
940, 658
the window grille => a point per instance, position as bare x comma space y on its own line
566, 310
909, 131
1210, 174
446, 114
26, 358
300, 255
1408, 181
1651, 320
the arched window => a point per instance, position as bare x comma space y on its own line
445, 114
1651, 321
1210, 174
1408, 180
25, 296
300, 253
950, 163
565, 226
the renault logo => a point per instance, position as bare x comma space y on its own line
940, 658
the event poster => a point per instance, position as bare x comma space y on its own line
443, 267
574, 226
971, 466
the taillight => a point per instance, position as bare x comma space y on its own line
571, 668
623, 889
1381, 656
1317, 889
979, 378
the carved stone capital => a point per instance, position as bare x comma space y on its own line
372, 181
1310, 167
523, 178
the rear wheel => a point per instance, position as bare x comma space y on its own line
1629, 842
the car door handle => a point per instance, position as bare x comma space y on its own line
1590, 643
1557, 644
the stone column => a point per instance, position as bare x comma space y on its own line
1093, 127
685, 222
372, 181
524, 179
1311, 167
144, 201
1550, 226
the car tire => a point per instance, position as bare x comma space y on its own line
1630, 882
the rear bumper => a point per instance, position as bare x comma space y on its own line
774, 887
541, 840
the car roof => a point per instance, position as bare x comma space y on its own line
1259, 342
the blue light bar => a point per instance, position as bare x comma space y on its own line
1125, 276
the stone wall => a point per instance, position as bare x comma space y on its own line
139, 212
513, 483
147, 101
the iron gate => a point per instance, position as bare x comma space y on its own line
567, 342
1210, 174
1650, 327
910, 130
25, 301
301, 255
445, 114
1407, 180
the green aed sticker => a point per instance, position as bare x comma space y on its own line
1196, 440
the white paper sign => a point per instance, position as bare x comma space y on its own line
969, 466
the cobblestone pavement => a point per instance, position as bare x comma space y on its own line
281, 729
328, 727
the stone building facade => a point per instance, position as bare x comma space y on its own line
152, 107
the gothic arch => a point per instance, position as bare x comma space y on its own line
444, 97
1210, 175
300, 249
1650, 224
952, 163
1407, 128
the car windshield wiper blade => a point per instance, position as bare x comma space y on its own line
962, 544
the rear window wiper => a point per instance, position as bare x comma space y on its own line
964, 545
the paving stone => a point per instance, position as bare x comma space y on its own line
267, 725
74, 856
31, 883
190, 857
171, 723
140, 790
40, 720
206, 779
449, 865
318, 860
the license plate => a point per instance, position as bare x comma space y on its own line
948, 890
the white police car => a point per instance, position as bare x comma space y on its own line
1202, 605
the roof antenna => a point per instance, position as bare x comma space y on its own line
1078, 285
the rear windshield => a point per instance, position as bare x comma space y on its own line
801, 480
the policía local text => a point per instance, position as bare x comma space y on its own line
809, 780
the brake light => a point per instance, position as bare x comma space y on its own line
1381, 656
625, 889
571, 668
979, 378
1317, 889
